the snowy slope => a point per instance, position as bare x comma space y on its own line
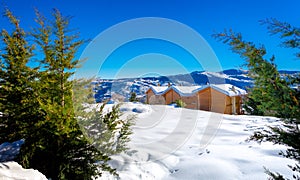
175, 143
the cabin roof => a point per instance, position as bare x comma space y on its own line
227, 89
186, 90
159, 89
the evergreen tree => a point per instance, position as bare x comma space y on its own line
69, 153
54, 143
37, 104
82, 95
133, 97
271, 94
106, 130
18, 106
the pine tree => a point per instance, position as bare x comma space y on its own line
271, 94
18, 107
62, 152
37, 104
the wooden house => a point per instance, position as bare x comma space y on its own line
221, 98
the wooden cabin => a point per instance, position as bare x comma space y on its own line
221, 98
216, 99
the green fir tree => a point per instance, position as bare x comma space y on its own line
272, 94
17, 89
39, 104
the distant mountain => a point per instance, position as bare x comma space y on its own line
120, 89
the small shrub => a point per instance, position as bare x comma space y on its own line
180, 103
133, 97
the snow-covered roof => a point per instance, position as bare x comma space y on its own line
186, 90
159, 89
227, 89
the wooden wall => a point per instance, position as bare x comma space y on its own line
171, 96
238, 104
204, 97
192, 102
213, 100
155, 99
149, 94
219, 102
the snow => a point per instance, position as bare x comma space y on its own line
159, 89
187, 90
215, 74
226, 76
229, 89
182, 90
176, 143
10, 170
14, 171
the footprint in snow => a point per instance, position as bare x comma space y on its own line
173, 170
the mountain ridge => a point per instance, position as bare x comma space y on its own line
121, 89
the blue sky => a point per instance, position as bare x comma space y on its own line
155, 56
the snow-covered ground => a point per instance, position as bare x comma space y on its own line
10, 170
177, 143
14, 171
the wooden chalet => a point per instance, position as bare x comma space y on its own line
221, 98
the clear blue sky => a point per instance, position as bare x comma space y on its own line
92, 17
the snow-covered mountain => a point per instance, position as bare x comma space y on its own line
120, 89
